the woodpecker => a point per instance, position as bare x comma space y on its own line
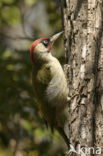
49, 82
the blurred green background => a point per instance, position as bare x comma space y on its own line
22, 131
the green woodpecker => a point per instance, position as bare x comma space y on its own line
50, 86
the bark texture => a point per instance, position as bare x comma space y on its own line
83, 39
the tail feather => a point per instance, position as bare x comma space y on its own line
62, 133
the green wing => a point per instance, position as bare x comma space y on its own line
40, 82
44, 75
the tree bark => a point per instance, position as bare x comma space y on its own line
83, 40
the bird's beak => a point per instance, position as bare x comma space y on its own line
54, 37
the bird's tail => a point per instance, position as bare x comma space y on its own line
63, 134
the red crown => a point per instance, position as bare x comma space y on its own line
34, 44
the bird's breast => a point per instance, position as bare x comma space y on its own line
50, 88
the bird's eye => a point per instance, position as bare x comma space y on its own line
46, 42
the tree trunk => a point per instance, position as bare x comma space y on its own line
83, 39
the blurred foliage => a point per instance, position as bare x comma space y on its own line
11, 15
22, 131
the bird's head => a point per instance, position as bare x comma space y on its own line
40, 48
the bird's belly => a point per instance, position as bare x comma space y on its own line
51, 100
